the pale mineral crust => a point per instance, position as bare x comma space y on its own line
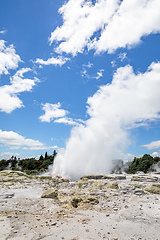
96, 207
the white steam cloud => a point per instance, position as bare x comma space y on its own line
129, 101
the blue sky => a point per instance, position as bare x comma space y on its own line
79, 75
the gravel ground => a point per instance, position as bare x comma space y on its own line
110, 207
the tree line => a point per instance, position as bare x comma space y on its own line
144, 164
29, 165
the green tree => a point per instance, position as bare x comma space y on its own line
141, 164
3, 164
156, 159
46, 156
31, 164
54, 154
13, 162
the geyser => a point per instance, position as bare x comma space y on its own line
114, 109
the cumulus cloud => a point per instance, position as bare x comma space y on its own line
118, 24
80, 23
52, 61
155, 154
8, 58
132, 93
9, 100
54, 112
14, 140
127, 102
152, 145
132, 20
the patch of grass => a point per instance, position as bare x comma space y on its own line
76, 201
9, 183
99, 185
155, 188
92, 200
112, 185
139, 186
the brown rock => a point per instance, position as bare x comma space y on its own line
50, 193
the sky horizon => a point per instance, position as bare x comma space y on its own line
70, 80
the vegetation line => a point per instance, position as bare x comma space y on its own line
145, 164
29, 165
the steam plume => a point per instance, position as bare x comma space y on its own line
115, 108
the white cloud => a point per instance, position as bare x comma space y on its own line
52, 61
132, 93
54, 113
80, 23
2, 31
99, 74
8, 58
69, 121
132, 20
118, 24
152, 145
84, 72
127, 102
8, 155
89, 65
113, 63
14, 140
122, 56
155, 154
9, 99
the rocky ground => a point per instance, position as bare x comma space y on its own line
96, 207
